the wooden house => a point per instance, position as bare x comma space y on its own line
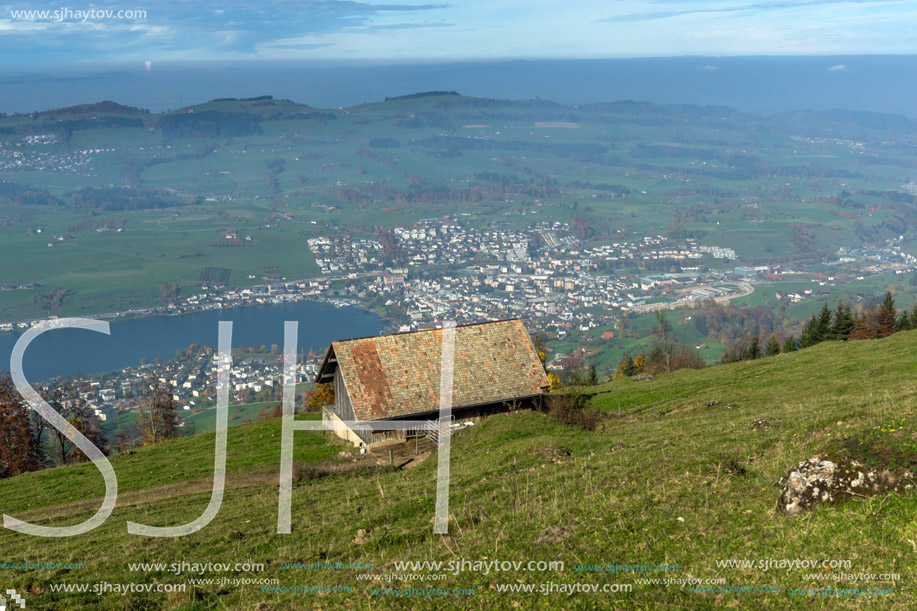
397, 377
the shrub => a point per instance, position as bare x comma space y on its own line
570, 408
305, 472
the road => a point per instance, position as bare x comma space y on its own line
744, 289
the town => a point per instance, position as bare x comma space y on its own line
432, 271
190, 379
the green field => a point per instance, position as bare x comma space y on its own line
724, 178
664, 480
238, 414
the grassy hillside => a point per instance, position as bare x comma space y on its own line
666, 479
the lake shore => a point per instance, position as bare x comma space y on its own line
72, 351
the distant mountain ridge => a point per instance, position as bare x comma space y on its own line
761, 85
828, 122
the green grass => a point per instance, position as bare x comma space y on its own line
238, 414
667, 480
110, 272
254, 447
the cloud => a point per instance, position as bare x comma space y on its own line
761, 6
837, 68
205, 30
294, 45
228, 28
709, 68
148, 65
635, 17
407, 26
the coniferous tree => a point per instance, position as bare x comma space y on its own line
809, 335
886, 317
823, 323
593, 376
864, 325
843, 322
627, 366
789, 344
773, 347
753, 348
904, 323
630, 367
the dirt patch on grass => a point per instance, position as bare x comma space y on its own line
234, 481
728, 465
553, 453
554, 535
403, 453
886, 447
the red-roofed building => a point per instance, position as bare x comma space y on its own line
391, 377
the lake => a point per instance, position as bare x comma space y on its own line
68, 352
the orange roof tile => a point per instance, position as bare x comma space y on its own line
397, 375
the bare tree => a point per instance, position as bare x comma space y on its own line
17, 453
158, 420
62, 400
664, 346
65, 400
123, 441
84, 421
39, 427
667, 354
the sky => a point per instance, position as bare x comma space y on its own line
147, 32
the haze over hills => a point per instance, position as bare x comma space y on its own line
823, 122
582, 219
755, 84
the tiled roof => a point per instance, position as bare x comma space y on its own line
398, 375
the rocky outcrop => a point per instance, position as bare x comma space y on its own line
819, 480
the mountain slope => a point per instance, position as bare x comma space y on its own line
668, 479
